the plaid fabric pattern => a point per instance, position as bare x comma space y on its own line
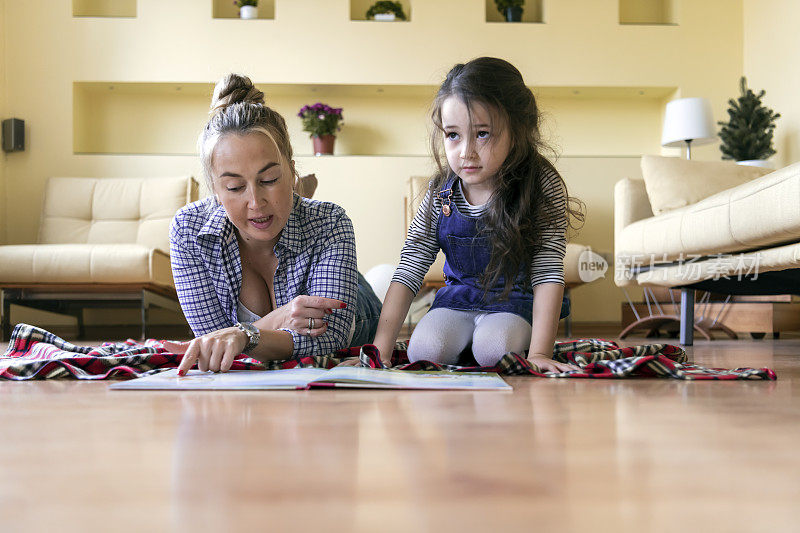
596, 358
316, 256
34, 353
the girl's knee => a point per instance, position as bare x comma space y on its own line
498, 336
487, 354
430, 348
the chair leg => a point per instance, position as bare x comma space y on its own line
145, 305
6, 317
687, 317
78, 313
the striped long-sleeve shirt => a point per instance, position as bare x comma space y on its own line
422, 245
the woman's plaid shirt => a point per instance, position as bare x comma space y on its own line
316, 256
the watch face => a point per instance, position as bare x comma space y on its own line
253, 335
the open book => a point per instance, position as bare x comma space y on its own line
305, 378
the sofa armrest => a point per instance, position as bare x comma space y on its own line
630, 204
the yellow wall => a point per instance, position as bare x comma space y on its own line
772, 63
3, 116
602, 85
114, 117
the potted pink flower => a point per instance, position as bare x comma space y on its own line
322, 122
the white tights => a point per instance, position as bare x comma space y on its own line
443, 333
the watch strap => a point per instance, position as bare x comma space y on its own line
253, 335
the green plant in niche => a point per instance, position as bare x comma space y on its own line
502, 5
242, 3
748, 132
386, 6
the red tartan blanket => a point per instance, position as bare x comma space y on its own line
34, 353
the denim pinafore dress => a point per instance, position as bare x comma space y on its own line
466, 258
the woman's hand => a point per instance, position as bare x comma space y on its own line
213, 351
546, 364
304, 314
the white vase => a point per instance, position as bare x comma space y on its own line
248, 12
384, 16
756, 163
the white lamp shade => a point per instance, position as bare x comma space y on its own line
688, 119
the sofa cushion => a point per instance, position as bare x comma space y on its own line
732, 266
572, 256
84, 263
762, 212
673, 183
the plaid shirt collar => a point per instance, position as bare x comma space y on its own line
292, 237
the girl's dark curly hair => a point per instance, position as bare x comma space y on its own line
519, 211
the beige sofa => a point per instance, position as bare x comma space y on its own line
102, 242
705, 224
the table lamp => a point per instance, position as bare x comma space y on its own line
687, 121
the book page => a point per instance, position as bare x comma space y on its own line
348, 376
295, 378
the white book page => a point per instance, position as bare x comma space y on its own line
235, 380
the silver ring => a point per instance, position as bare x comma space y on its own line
310, 323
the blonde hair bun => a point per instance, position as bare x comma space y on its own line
233, 89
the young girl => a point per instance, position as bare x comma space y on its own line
499, 211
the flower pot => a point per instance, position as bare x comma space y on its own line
323, 145
248, 12
756, 163
384, 16
513, 14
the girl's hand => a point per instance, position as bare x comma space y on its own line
304, 314
546, 364
213, 351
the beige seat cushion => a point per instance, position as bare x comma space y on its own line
84, 263
673, 183
760, 213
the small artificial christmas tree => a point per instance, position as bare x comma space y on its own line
748, 133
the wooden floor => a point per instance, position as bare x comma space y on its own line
554, 455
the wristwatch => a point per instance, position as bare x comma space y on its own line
253, 335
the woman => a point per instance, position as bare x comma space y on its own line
257, 268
